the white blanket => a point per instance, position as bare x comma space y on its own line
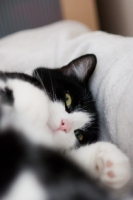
112, 83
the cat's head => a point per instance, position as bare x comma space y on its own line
73, 118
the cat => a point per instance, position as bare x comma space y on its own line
55, 108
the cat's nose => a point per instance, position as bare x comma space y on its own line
65, 125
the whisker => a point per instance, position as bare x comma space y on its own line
85, 100
88, 95
54, 96
39, 79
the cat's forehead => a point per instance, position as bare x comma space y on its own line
54, 81
55, 75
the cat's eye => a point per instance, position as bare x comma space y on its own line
78, 135
68, 100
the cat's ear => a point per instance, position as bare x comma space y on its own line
81, 67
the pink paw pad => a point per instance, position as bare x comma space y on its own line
109, 164
111, 174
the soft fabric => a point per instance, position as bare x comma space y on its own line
112, 83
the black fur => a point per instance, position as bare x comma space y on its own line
21, 76
6, 96
61, 178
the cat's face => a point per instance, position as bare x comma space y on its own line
73, 118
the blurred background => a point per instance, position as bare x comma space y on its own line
113, 16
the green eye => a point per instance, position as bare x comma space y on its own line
78, 135
68, 100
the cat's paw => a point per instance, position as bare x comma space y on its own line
112, 165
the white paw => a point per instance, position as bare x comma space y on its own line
112, 165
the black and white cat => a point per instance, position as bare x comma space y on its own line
55, 108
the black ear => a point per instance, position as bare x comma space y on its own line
81, 67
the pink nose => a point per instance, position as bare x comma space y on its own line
65, 126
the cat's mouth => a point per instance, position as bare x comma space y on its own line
55, 130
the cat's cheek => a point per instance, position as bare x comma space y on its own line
64, 140
81, 119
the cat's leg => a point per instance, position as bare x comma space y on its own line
104, 161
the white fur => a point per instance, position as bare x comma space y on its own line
2, 84
26, 187
29, 113
102, 158
82, 68
80, 71
30, 100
